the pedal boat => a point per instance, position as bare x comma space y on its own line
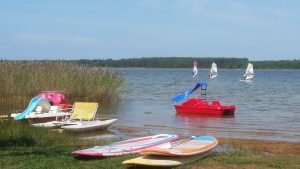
200, 106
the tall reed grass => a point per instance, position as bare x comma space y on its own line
22, 80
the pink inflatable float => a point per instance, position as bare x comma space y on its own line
55, 98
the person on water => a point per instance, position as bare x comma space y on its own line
195, 70
244, 76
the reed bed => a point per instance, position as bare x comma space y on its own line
22, 80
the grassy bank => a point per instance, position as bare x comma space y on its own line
49, 149
61, 158
15, 134
22, 80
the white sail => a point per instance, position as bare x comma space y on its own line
195, 69
249, 73
213, 71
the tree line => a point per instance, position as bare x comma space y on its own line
187, 62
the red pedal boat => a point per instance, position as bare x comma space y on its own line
201, 106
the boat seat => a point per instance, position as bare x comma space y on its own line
85, 111
65, 107
39, 109
54, 109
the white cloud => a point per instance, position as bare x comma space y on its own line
51, 39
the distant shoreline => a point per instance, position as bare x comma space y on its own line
177, 62
143, 68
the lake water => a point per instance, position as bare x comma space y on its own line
267, 108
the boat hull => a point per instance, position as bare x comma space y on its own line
85, 126
41, 120
44, 117
199, 106
47, 117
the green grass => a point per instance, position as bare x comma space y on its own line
23, 146
239, 159
15, 134
54, 158
61, 158
22, 80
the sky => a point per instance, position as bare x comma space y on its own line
118, 29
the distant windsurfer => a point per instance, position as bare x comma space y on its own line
213, 72
195, 70
244, 76
209, 75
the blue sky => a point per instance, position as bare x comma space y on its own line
70, 29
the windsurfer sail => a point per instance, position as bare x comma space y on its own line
213, 71
195, 69
249, 73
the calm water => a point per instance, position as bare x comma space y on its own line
267, 108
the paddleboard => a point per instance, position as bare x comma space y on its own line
185, 147
127, 146
165, 161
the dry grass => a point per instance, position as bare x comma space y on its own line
275, 147
250, 154
22, 80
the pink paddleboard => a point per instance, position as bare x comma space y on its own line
127, 146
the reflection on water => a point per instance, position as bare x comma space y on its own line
99, 135
190, 120
203, 124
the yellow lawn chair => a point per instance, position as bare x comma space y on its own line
83, 118
85, 111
